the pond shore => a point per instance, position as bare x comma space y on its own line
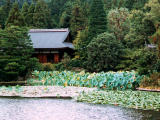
43, 91
131, 99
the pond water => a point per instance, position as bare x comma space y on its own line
58, 109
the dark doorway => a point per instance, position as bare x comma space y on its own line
50, 58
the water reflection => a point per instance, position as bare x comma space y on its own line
54, 109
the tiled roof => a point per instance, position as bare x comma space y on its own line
50, 38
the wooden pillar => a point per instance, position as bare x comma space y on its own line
40, 58
56, 58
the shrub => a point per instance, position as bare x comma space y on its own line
157, 65
48, 67
152, 81
59, 66
104, 53
68, 63
146, 62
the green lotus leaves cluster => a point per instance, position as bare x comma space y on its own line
121, 80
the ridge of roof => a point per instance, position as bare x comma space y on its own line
49, 30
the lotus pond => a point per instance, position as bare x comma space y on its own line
117, 87
121, 80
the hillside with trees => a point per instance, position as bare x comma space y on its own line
108, 35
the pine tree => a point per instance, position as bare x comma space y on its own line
66, 15
29, 17
7, 7
97, 22
56, 7
4, 12
15, 17
24, 11
77, 21
2, 18
15, 53
42, 16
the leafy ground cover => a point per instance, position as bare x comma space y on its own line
130, 99
121, 80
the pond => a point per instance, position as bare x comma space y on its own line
58, 109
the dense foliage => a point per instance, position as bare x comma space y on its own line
133, 25
104, 52
15, 53
109, 80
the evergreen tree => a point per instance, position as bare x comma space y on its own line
15, 17
135, 4
66, 15
42, 16
154, 12
29, 16
7, 6
97, 20
24, 11
140, 30
137, 36
2, 18
15, 53
4, 12
139, 4
113, 4
57, 8
2, 2
80, 44
154, 15
77, 21
65, 20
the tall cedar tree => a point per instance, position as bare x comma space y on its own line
57, 8
4, 12
15, 53
29, 16
7, 7
42, 16
77, 20
24, 11
66, 15
97, 22
15, 17
2, 18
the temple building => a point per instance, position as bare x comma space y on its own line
51, 44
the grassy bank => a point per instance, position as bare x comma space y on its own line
131, 99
